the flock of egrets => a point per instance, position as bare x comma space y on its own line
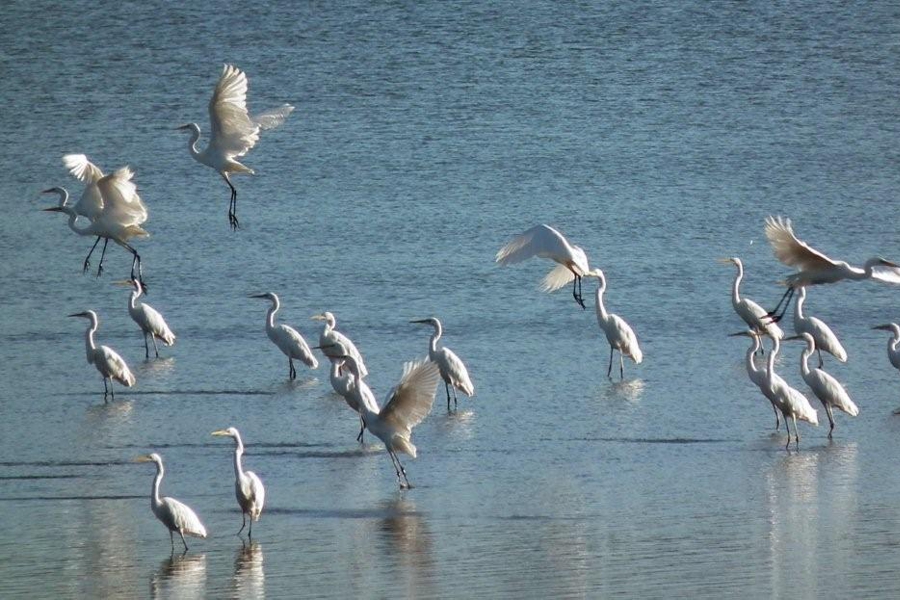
111, 209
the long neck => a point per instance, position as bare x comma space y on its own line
192, 142
601, 309
735, 289
770, 365
135, 294
435, 337
72, 217
270, 316
804, 359
751, 364
89, 345
238, 453
798, 307
154, 495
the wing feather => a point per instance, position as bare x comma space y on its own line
541, 240
231, 130
411, 401
121, 202
272, 118
81, 168
184, 518
791, 251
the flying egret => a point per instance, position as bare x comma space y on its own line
175, 515
757, 375
333, 343
287, 338
822, 335
618, 333
112, 224
105, 359
814, 268
248, 488
790, 401
752, 313
546, 242
826, 388
406, 406
453, 370
342, 380
149, 320
232, 130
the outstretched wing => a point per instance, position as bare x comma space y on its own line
272, 118
81, 168
410, 402
541, 240
791, 251
886, 274
121, 201
232, 130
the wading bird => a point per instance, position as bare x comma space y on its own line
545, 242
814, 268
248, 488
105, 359
353, 393
826, 388
752, 313
453, 370
758, 376
618, 333
790, 401
175, 515
232, 130
893, 348
287, 338
405, 407
333, 343
821, 333
149, 320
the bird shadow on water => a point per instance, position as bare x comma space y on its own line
180, 575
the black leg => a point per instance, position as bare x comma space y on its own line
172, 541
774, 315
250, 531
447, 389
243, 523
362, 428
155, 347
146, 347
621, 366
576, 291
232, 205
102, 256
609, 370
181, 533
87, 259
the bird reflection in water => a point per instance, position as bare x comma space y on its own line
404, 535
180, 576
249, 578
629, 390
157, 366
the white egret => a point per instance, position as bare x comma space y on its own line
453, 370
333, 343
752, 313
287, 338
758, 376
175, 515
343, 382
893, 349
107, 361
232, 130
790, 401
149, 320
248, 487
821, 333
826, 388
618, 333
406, 406
814, 268
546, 242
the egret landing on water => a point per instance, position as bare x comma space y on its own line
175, 515
752, 313
453, 370
232, 130
248, 488
545, 242
814, 268
105, 359
148, 319
821, 333
618, 333
287, 338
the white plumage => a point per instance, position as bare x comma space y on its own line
288, 339
453, 370
618, 333
175, 515
233, 131
248, 487
826, 388
106, 360
893, 347
333, 343
152, 323
790, 401
752, 313
355, 393
758, 376
823, 337
546, 242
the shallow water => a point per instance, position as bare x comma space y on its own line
425, 136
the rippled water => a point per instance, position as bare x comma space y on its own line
655, 135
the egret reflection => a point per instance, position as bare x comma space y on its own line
249, 578
180, 576
630, 390
407, 541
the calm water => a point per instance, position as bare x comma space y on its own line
425, 136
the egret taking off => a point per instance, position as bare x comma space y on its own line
453, 370
821, 333
251, 495
618, 333
287, 338
545, 242
752, 313
232, 130
826, 388
815, 268
149, 320
175, 515
333, 343
405, 407
758, 376
105, 359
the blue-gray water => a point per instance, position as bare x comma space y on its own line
657, 136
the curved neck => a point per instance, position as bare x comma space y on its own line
770, 365
435, 337
154, 495
238, 453
270, 316
192, 141
754, 348
72, 218
735, 289
798, 306
804, 358
892, 343
89, 345
601, 309
135, 294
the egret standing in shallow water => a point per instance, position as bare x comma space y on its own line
758, 376
333, 343
105, 359
821, 333
248, 488
232, 130
287, 338
618, 333
752, 313
355, 393
545, 242
790, 401
149, 320
175, 515
893, 347
453, 370
815, 268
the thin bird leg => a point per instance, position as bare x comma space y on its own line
362, 428
821, 362
447, 389
112, 391
396, 468
105, 390
181, 533
788, 429
102, 255
796, 431
232, 204
250, 531
830, 419
146, 347
609, 370
455, 401
155, 347
87, 259
777, 420
621, 366
403, 471
172, 541
243, 523
576, 291
292, 372
136, 260
774, 315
